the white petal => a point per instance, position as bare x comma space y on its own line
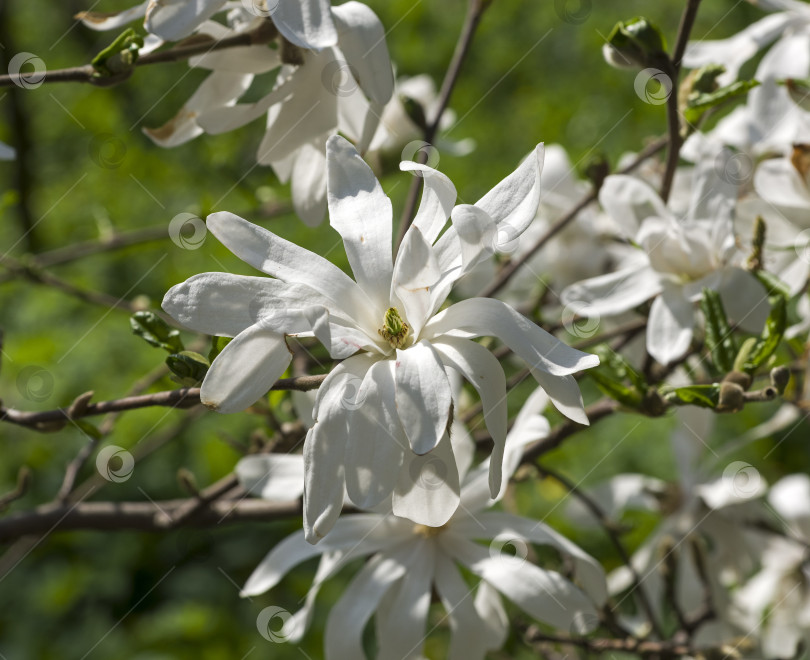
305, 23
514, 200
361, 36
470, 634
480, 368
477, 235
613, 293
564, 394
669, 328
275, 477
174, 19
423, 396
238, 60
401, 633
377, 443
286, 261
103, 21
427, 490
438, 197
415, 271
545, 595
486, 316
361, 213
495, 621
777, 181
245, 370
309, 182
226, 117
325, 447
629, 201
714, 196
348, 617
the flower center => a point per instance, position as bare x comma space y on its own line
395, 330
426, 531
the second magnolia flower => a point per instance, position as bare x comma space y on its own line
386, 327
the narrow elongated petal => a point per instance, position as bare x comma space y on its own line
486, 316
613, 293
483, 371
490, 608
228, 117
514, 200
564, 394
477, 234
348, 617
275, 477
377, 442
545, 595
670, 326
309, 182
245, 369
241, 59
325, 446
427, 490
361, 213
285, 260
305, 23
103, 21
438, 197
498, 525
401, 633
629, 201
415, 271
361, 37
423, 396
174, 19
469, 640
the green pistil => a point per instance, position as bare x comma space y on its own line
395, 330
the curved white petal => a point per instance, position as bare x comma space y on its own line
477, 235
427, 490
670, 326
309, 182
305, 23
438, 197
275, 477
423, 396
103, 21
361, 213
629, 201
174, 19
613, 293
241, 59
514, 200
228, 117
361, 37
245, 370
777, 181
377, 443
564, 394
480, 368
415, 272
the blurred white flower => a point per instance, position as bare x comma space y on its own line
407, 562
7, 152
677, 258
386, 326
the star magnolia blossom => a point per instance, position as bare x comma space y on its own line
386, 326
339, 88
407, 562
305, 23
677, 259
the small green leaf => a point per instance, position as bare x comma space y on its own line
699, 102
773, 285
217, 344
635, 43
612, 374
120, 56
771, 335
719, 338
155, 331
188, 367
704, 396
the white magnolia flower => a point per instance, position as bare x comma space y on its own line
385, 325
698, 507
339, 88
305, 23
407, 562
774, 604
783, 202
677, 258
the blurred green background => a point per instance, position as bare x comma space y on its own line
530, 77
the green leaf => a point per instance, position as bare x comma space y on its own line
155, 331
773, 285
704, 396
611, 374
120, 56
188, 367
217, 344
771, 335
637, 42
699, 102
719, 338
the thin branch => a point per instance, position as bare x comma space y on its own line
512, 267
50, 420
646, 649
475, 11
